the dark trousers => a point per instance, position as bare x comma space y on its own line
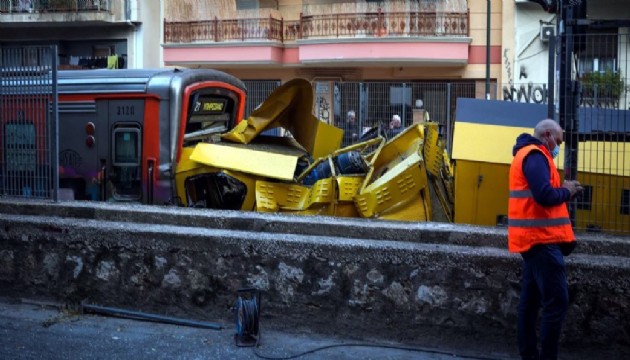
544, 284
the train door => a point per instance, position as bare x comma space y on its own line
78, 160
122, 162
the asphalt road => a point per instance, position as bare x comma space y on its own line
29, 331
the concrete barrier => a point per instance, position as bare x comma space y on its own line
390, 280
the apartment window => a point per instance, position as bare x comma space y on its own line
256, 4
625, 202
585, 198
598, 51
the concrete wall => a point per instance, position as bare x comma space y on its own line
531, 61
400, 281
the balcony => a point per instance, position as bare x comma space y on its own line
59, 12
267, 29
370, 38
40, 6
336, 26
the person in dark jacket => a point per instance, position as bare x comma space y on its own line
350, 129
395, 126
539, 228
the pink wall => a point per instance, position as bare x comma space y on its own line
224, 54
427, 51
448, 52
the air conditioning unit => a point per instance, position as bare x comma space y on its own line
546, 32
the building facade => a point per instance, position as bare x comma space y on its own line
356, 53
88, 33
601, 54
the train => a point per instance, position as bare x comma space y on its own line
121, 132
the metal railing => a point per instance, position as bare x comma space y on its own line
381, 24
257, 92
604, 133
602, 136
42, 6
223, 30
28, 122
352, 25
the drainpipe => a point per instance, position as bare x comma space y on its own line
489, 3
128, 14
135, 36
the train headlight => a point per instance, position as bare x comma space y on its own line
89, 141
89, 128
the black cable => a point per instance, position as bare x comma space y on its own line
252, 326
247, 311
384, 346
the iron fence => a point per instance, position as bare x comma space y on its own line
257, 92
28, 122
352, 25
603, 133
376, 103
597, 130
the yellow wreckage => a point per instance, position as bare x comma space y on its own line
406, 178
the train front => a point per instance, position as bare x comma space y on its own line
210, 108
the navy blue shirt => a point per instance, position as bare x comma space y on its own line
537, 172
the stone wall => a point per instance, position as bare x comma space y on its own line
395, 281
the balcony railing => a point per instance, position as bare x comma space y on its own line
223, 30
384, 24
43, 6
378, 24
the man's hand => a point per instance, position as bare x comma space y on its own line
573, 186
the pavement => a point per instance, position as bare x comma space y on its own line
39, 331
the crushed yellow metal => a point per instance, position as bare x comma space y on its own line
401, 180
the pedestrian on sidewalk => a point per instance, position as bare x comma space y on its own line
539, 228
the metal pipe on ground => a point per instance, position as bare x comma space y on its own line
103, 310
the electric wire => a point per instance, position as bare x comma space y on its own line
373, 345
247, 322
247, 312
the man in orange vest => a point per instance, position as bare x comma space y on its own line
539, 228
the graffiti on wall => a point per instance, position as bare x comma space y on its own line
527, 93
508, 65
323, 109
322, 104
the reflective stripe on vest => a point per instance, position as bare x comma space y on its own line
520, 194
539, 222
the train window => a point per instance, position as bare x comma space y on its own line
209, 114
19, 147
625, 202
126, 170
126, 146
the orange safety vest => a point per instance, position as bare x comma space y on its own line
530, 223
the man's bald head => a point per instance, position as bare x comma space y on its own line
545, 126
549, 133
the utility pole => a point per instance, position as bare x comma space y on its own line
551, 77
569, 94
488, 9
